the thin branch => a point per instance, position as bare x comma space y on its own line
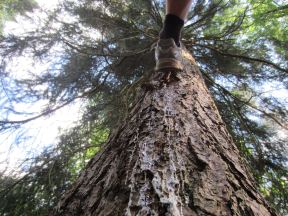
7, 190
284, 126
284, 7
47, 112
244, 57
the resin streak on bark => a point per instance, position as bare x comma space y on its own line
173, 156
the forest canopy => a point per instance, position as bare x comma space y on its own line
97, 53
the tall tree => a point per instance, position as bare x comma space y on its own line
99, 51
172, 156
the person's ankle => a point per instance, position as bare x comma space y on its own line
172, 28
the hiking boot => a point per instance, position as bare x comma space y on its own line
168, 55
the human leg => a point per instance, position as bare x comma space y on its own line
176, 13
168, 50
179, 8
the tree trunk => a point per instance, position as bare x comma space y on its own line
172, 156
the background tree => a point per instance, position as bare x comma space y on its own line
103, 49
10, 8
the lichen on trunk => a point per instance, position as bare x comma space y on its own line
172, 156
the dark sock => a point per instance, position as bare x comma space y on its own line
172, 28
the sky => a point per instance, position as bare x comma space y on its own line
42, 132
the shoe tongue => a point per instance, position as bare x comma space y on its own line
167, 42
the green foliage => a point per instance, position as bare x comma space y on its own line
100, 52
10, 8
37, 190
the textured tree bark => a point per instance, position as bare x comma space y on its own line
172, 156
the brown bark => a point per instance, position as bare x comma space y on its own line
172, 156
